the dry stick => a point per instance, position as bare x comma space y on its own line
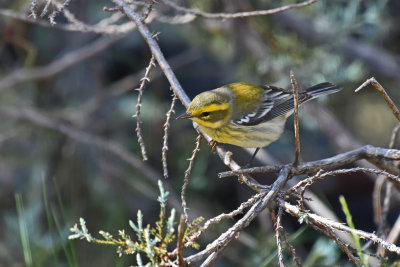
139, 105
155, 49
45, 9
367, 152
308, 181
187, 175
296, 117
294, 211
165, 137
383, 217
395, 232
385, 96
105, 25
26, 113
278, 226
290, 247
237, 15
250, 202
383, 210
59, 65
222, 241
148, 11
393, 138
180, 245
328, 232
59, 9
303, 190
33, 9
277, 221
66, 27
179, 92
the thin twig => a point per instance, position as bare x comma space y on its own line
307, 182
45, 9
294, 211
377, 202
239, 14
395, 232
186, 179
393, 138
180, 245
222, 241
143, 82
58, 10
165, 136
178, 90
304, 188
33, 8
58, 65
148, 11
250, 202
367, 152
385, 96
331, 234
381, 210
278, 226
296, 117
36, 117
289, 246
111, 9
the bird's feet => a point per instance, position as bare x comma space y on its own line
213, 145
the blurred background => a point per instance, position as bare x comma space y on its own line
67, 98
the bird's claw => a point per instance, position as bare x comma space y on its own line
213, 145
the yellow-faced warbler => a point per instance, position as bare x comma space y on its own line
248, 115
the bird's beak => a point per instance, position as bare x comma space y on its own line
186, 115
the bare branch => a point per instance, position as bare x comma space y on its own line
381, 210
102, 26
180, 245
177, 88
59, 9
187, 175
45, 9
395, 232
367, 152
289, 246
222, 241
294, 211
239, 14
393, 138
29, 114
385, 96
296, 117
59, 65
148, 11
143, 82
331, 234
156, 51
33, 8
278, 227
165, 136
245, 205
308, 181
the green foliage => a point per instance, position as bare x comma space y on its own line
356, 238
23, 231
303, 217
152, 241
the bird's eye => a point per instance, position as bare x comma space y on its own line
205, 114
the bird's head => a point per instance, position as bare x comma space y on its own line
211, 109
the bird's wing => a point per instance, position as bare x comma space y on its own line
276, 101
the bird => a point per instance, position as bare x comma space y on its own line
248, 115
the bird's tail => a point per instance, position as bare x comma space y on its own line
321, 89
